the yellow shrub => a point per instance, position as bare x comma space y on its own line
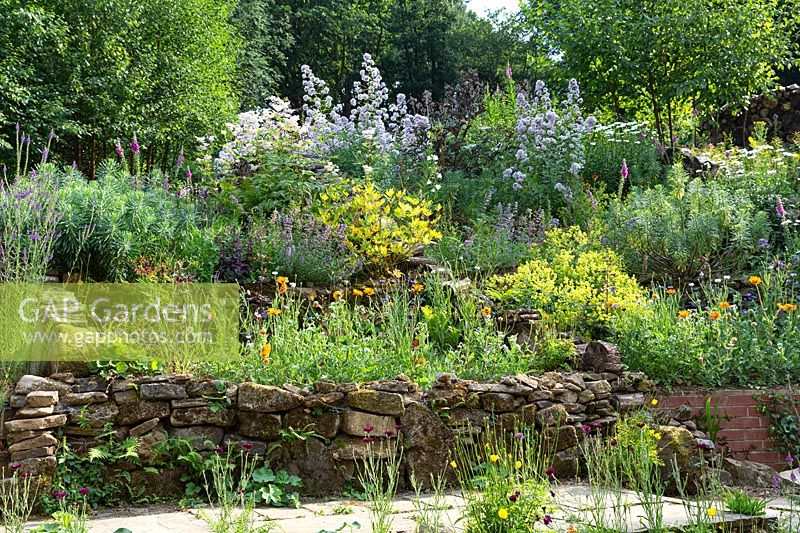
384, 227
572, 280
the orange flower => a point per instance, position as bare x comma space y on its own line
266, 349
262, 332
713, 315
486, 311
316, 305
369, 291
337, 295
282, 287
671, 291
281, 280
724, 305
419, 361
654, 296
754, 280
418, 287
683, 313
787, 307
358, 292
273, 312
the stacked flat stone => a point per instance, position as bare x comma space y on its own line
30, 435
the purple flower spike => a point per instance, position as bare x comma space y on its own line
118, 148
779, 208
135, 148
624, 170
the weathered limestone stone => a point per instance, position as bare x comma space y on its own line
373, 401
41, 398
324, 399
203, 438
267, 399
568, 396
325, 424
439, 398
585, 396
345, 448
212, 388
85, 398
750, 474
162, 391
197, 416
36, 412
263, 426
565, 463
312, 462
600, 388
555, 415
149, 442
40, 441
33, 453
19, 436
34, 424
98, 414
143, 428
28, 383
38, 466
427, 442
235, 442
66, 377
126, 397
560, 438
135, 413
498, 402
189, 402
354, 422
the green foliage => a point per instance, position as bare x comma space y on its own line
384, 227
572, 280
714, 337
636, 59
738, 501
685, 227
111, 230
783, 410
100, 70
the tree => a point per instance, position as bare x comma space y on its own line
161, 70
656, 54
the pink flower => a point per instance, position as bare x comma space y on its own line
624, 170
368, 429
135, 148
779, 208
83, 491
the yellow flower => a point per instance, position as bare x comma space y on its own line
503, 514
281, 280
754, 280
724, 305
683, 313
787, 307
453, 464
654, 296
358, 292
337, 295
657, 435
494, 458
486, 311
671, 291
712, 512
654, 402
273, 312
417, 287
369, 291
713, 315
518, 464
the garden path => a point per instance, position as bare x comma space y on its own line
335, 516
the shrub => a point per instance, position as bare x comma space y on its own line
571, 279
299, 246
110, 224
383, 227
686, 227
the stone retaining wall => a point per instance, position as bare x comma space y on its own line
212, 414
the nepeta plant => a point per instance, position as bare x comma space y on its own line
551, 143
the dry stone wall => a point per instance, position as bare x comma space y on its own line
216, 414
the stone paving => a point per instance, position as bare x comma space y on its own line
575, 503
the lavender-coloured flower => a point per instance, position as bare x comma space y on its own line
118, 148
779, 208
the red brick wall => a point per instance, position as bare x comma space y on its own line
744, 429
